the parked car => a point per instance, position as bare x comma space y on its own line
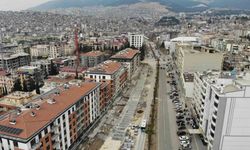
181, 133
184, 143
182, 128
181, 124
180, 117
184, 138
180, 121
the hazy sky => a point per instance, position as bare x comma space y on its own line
19, 4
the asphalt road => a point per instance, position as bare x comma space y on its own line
166, 126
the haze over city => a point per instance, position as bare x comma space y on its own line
17, 5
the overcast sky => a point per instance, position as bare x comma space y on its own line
19, 4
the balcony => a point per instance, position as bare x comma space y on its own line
216, 101
214, 116
55, 137
56, 145
54, 127
36, 145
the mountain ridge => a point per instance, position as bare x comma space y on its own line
174, 5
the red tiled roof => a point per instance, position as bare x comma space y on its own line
72, 69
93, 54
3, 72
126, 54
48, 112
107, 67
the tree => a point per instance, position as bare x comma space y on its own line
54, 70
143, 51
17, 85
37, 88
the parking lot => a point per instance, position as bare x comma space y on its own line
179, 118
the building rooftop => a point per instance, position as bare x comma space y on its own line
126, 54
226, 82
93, 54
185, 39
12, 56
16, 99
29, 125
188, 77
107, 67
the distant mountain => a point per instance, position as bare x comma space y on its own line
54, 4
175, 5
233, 4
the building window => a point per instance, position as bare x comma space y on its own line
216, 96
47, 139
45, 131
48, 147
15, 144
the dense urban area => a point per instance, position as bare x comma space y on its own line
137, 77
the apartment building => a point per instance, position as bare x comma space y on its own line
12, 61
44, 65
39, 51
136, 40
130, 58
92, 58
221, 104
71, 111
110, 72
6, 82
189, 59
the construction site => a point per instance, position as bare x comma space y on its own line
120, 127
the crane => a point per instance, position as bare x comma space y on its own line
77, 52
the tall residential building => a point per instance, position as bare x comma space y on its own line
13, 61
53, 123
39, 51
130, 58
7, 81
136, 40
92, 58
221, 104
190, 59
44, 65
110, 72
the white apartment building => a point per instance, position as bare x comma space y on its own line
194, 41
39, 51
222, 105
51, 50
136, 40
55, 51
190, 59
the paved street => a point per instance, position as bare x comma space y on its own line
166, 126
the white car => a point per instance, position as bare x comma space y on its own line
183, 138
184, 143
